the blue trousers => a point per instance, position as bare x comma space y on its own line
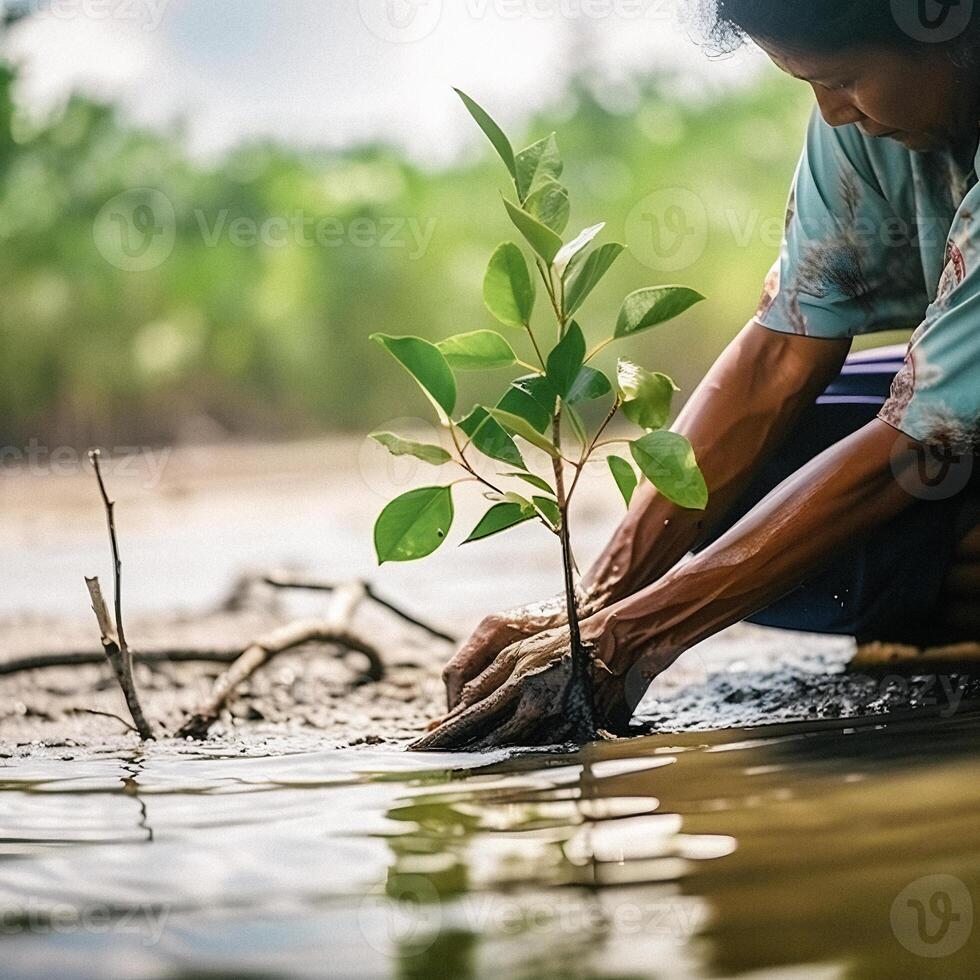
887, 586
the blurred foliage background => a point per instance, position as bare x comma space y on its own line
230, 336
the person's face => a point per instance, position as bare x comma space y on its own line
921, 100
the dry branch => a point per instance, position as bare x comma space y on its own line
122, 665
113, 635
312, 585
334, 628
43, 661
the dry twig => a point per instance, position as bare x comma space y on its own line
113, 636
288, 582
43, 661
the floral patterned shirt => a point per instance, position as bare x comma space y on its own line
879, 237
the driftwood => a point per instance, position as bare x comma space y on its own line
335, 628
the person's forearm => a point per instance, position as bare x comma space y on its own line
738, 415
834, 500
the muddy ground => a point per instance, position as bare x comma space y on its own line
745, 677
191, 520
317, 687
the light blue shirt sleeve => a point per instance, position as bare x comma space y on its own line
935, 398
848, 263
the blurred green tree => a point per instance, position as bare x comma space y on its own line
145, 290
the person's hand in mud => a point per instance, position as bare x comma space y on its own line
742, 410
497, 632
527, 694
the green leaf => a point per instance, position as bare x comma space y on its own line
540, 237
586, 277
493, 132
549, 508
525, 430
624, 475
397, 446
646, 395
589, 384
565, 361
534, 480
499, 518
539, 162
569, 251
490, 438
667, 461
425, 363
550, 205
476, 351
508, 289
654, 305
532, 398
414, 524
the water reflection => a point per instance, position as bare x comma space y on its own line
846, 849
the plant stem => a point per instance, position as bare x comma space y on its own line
609, 442
581, 682
465, 464
534, 341
598, 348
550, 287
587, 452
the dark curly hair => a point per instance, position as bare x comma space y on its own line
818, 26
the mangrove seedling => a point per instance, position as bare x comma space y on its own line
541, 407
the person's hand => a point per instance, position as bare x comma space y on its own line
527, 694
493, 635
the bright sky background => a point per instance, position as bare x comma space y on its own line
316, 72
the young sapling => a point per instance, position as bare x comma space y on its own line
541, 407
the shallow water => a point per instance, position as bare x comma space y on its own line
795, 850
